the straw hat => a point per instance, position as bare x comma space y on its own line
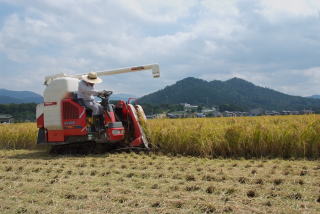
91, 77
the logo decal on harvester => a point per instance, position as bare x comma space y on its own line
69, 122
72, 127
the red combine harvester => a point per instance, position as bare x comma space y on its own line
64, 121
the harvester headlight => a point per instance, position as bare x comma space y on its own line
117, 132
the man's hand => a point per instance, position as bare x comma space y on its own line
100, 93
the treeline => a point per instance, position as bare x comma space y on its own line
150, 109
20, 112
158, 109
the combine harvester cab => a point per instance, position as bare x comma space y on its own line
63, 119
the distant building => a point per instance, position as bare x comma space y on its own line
200, 115
211, 112
6, 118
272, 113
155, 116
189, 107
208, 110
307, 112
217, 114
290, 112
152, 116
229, 114
256, 112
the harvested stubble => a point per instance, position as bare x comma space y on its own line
35, 182
280, 136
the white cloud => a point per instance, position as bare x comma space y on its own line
222, 8
211, 39
158, 10
276, 10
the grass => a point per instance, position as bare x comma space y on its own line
35, 182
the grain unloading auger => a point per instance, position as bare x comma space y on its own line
63, 119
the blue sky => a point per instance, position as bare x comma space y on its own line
271, 43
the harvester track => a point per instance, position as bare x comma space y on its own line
93, 148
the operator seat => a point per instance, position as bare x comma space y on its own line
81, 102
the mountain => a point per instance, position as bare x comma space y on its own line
315, 96
17, 97
9, 96
235, 91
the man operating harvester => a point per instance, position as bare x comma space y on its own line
86, 92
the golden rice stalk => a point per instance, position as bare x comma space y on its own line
278, 136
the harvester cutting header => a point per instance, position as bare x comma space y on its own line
68, 117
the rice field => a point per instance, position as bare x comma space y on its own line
208, 165
18, 136
248, 137
280, 136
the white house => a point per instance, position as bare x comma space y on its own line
6, 118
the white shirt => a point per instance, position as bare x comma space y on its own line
86, 91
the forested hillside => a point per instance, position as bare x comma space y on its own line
20, 112
235, 91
